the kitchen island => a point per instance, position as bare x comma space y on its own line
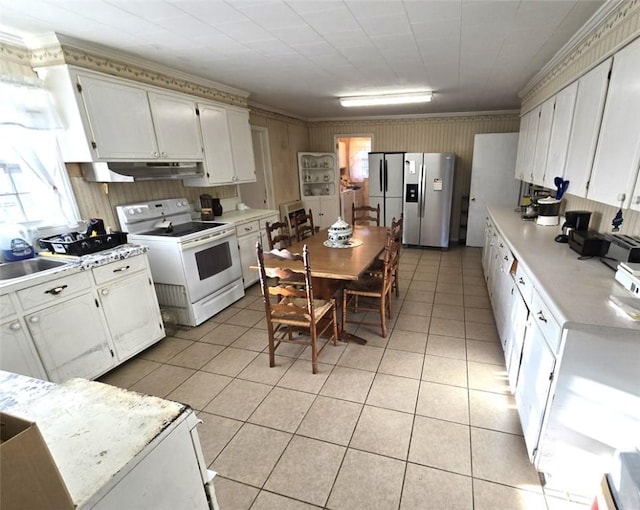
115, 448
572, 357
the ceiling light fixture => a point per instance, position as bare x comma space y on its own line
386, 99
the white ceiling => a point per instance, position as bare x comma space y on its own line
299, 56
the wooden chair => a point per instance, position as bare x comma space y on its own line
295, 309
302, 225
282, 237
378, 265
376, 286
365, 215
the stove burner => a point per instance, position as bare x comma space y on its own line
180, 230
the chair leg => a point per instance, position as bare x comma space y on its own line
344, 309
314, 349
383, 315
272, 349
395, 282
335, 324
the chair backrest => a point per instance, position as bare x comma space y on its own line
302, 225
365, 215
391, 258
300, 306
282, 236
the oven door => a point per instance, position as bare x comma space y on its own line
210, 263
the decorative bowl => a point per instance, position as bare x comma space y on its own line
340, 232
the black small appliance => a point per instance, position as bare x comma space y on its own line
573, 220
588, 243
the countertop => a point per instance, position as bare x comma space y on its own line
246, 215
87, 425
576, 291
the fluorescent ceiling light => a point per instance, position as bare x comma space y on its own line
407, 98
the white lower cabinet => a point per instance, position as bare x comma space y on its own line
17, 352
325, 210
248, 235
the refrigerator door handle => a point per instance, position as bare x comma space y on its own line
380, 175
421, 193
386, 178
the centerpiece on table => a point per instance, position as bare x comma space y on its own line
340, 233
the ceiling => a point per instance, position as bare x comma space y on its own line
299, 56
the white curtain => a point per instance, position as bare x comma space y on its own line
24, 102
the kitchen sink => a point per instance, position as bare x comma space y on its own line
9, 270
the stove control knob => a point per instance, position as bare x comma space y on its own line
180, 204
130, 211
138, 210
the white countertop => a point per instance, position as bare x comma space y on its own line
246, 215
88, 426
577, 291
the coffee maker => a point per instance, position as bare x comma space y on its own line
574, 220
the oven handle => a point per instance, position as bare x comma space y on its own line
218, 236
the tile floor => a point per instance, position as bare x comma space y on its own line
422, 419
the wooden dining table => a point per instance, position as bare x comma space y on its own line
333, 268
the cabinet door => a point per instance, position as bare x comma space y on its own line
534, 381
241, 146
18, 353
71, 339
176, 126
329, 211
522, 141
119, 118
513, 354
592, 89
247, 247
560, 130
635, 198
542, 141
533, 117
618, 154
133, 315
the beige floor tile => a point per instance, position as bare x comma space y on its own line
225, 314
163, 380
425, 487
224, 334
257, 304
238, 400
260, 371
196, 333
262, 324
477, 302
426, 273
362, 357
331, 420
329, 355
372, 335
214, 433
246, 301
196, 355
422, 285
447, 346
165, 349
485, 352
494, 411
441, 444
251, 454
480, 331
270, 501
468, 279
448, 312
444, 402
414, 323
416, 308
254, 290
491, 496
129, 373
444, 370
383, 431
367, 481
290, 350
482, 315
449, 287
450, 299
245, 318
230, 362
475, 290
199, 389
253, 340
446, 327
392, 392
299, 376
234, 495
424, 296
502, 458
488, 377
411, 341
306, 470
282, 409
348, 384
401, 363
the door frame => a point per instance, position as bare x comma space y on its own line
263, 143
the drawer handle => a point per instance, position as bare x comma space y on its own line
247, 229
521, 281
56, 290
15, 326
121, 269
506, 258
35, 319
501, 245
104, 292
541, 316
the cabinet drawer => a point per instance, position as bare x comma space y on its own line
119, 269
546, 322
270, 219
524, 284
54, 290
6, 306
247, 228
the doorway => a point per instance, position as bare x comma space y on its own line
352, 152
259, 194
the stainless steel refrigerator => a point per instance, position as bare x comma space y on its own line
385, 184
428, 187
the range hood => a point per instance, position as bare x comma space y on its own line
140, 171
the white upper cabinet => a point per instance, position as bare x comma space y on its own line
542, 141
587, 114
529, 150
241, 146
522, 140
618, 153
176, 126
635, 196
560, 130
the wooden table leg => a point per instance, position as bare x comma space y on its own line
326, 288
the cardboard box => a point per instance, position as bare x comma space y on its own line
29, 477
604, 498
